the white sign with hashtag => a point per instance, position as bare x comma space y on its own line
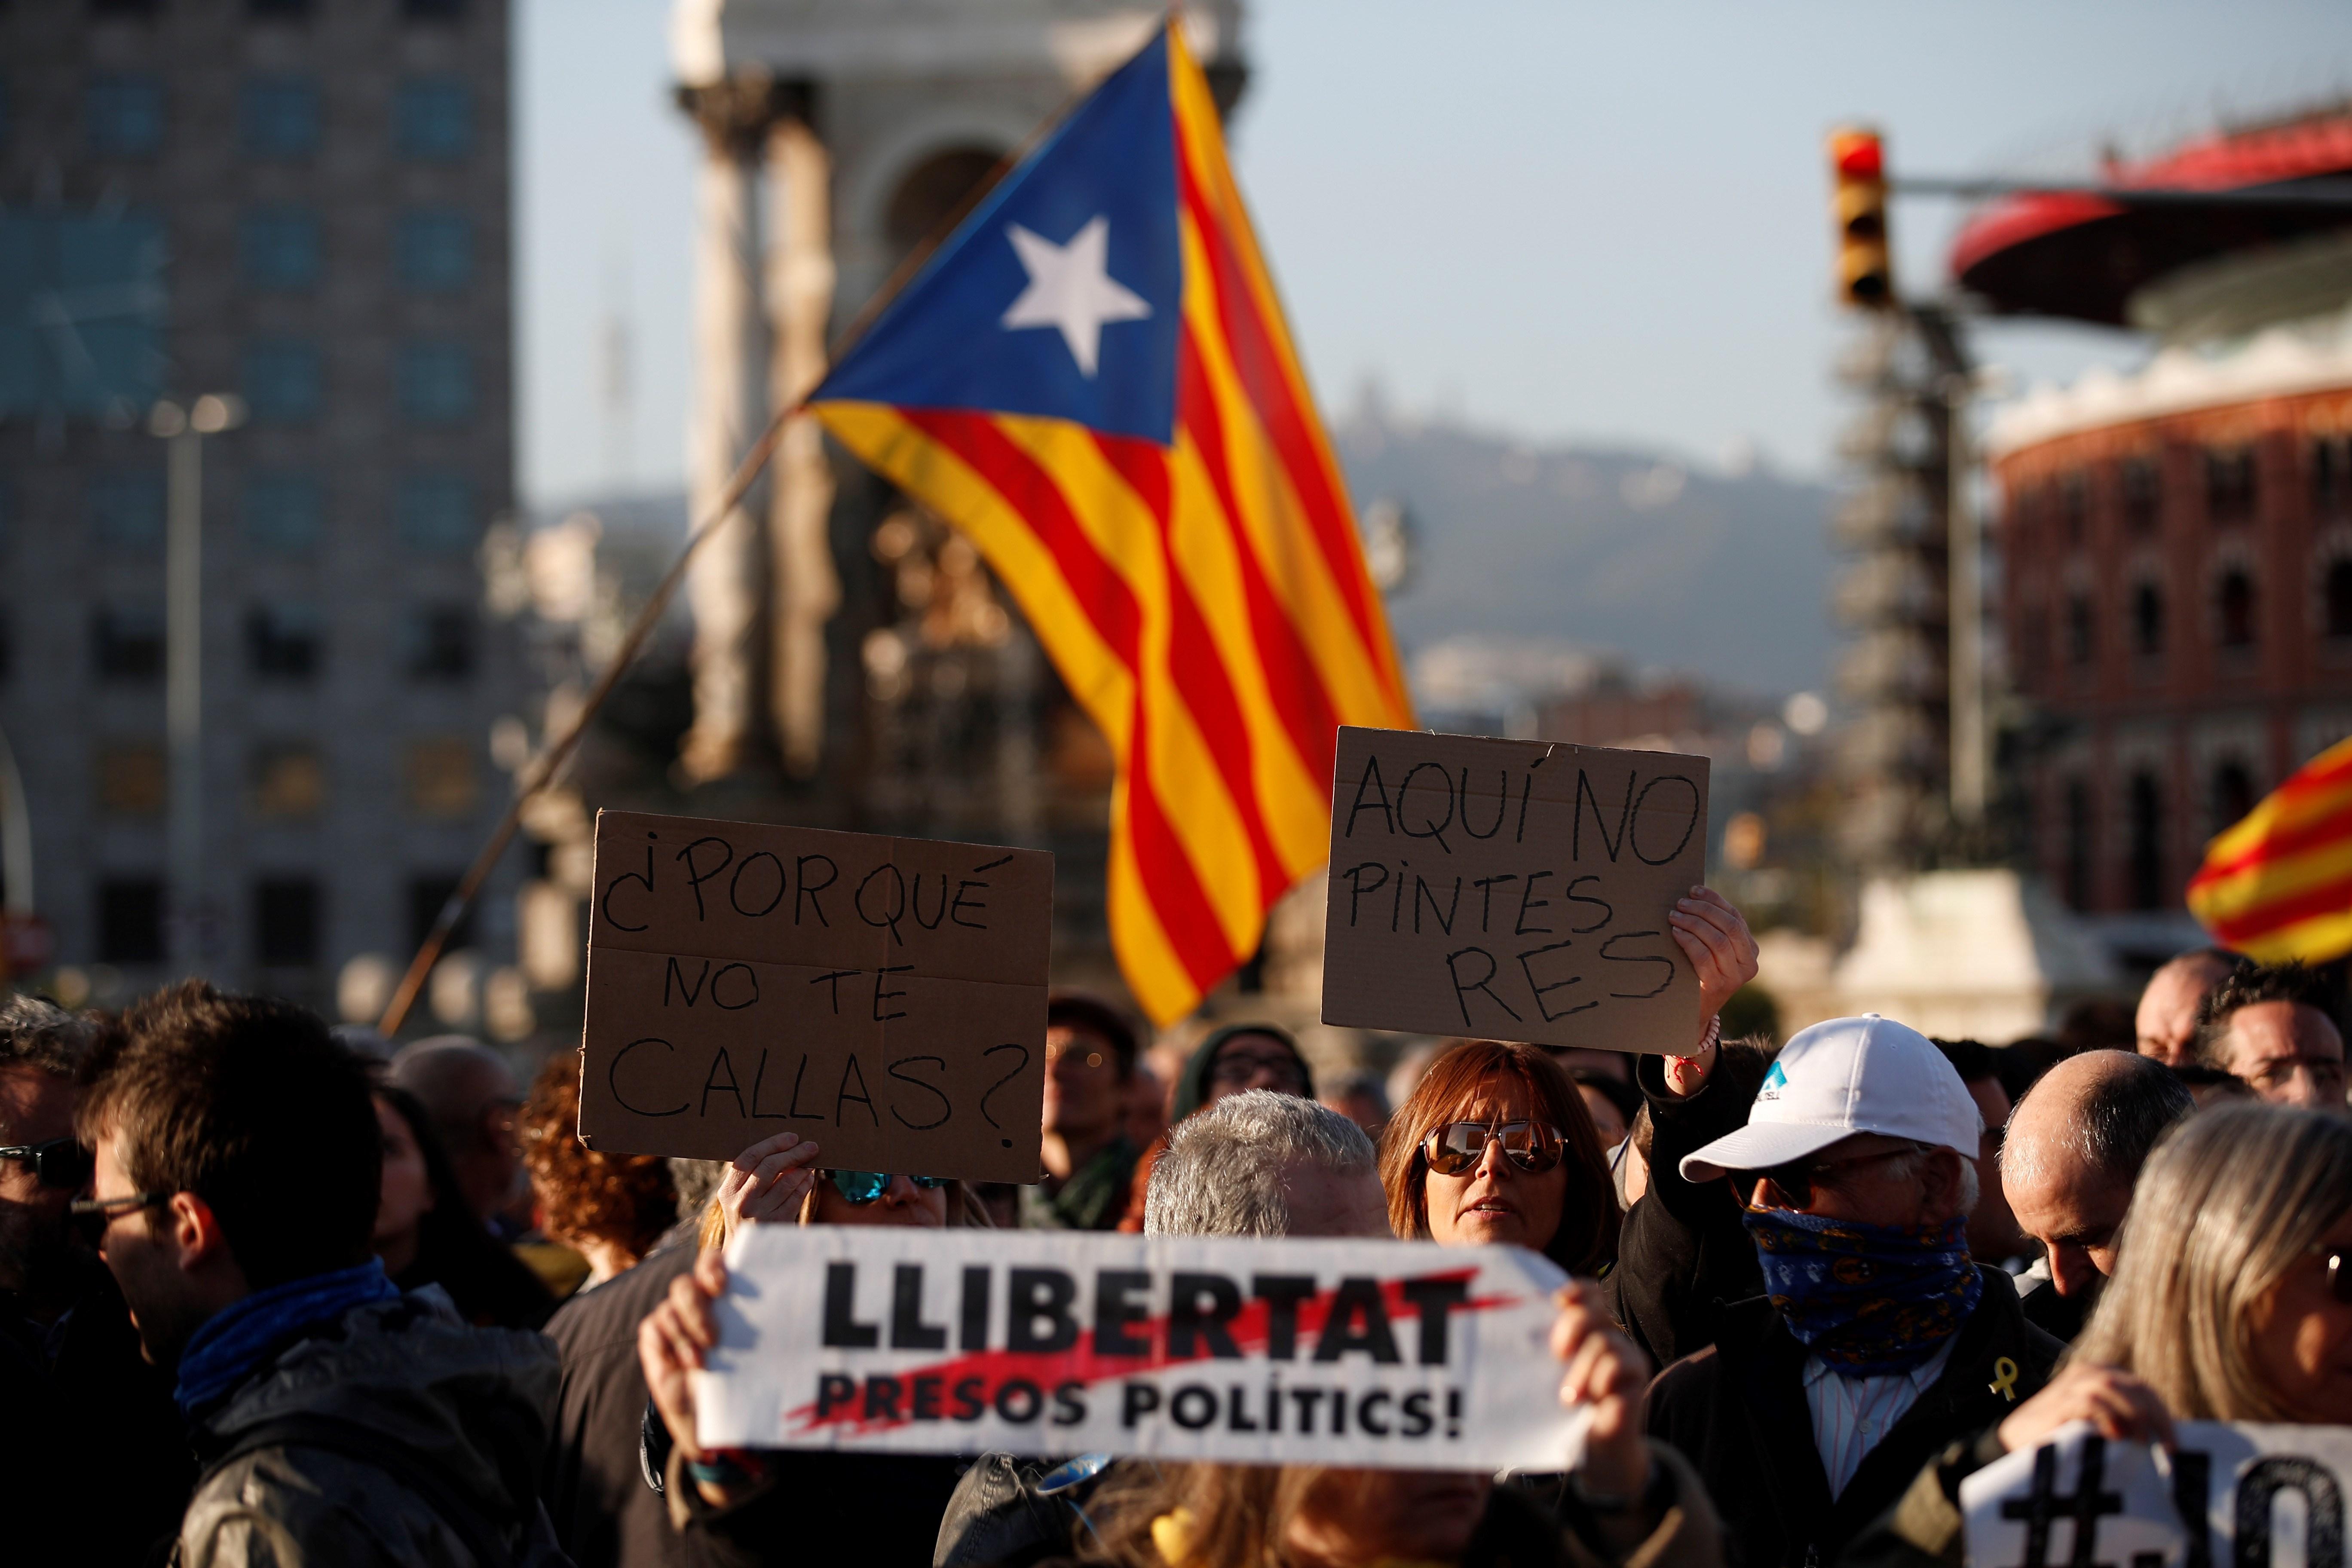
2230, 1494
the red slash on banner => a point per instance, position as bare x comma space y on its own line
1340, 1351
1283, 1317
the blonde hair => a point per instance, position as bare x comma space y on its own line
2229, 1203
1194, 1515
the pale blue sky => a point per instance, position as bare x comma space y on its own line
1570, 222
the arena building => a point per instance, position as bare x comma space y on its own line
2175, 544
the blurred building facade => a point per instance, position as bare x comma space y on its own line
305, 203
2176, 543
853, 663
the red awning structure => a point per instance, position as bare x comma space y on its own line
2058, 254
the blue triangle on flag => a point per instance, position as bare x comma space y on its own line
1060, 296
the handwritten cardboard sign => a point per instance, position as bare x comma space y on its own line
2231, 1492
1392, 1354
1512, 889
885, 996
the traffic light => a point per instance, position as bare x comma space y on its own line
1858, 170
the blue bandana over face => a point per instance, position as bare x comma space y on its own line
1866, 1299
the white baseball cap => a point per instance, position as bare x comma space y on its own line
1849, 1075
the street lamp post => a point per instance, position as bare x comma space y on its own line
185, 430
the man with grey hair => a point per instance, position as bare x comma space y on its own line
1263, 1163
473, 1098
1259, 1162
2076, 1145
45, 1052
71, 1377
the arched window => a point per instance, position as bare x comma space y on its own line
2142, 499
2229, 484
2339, 597
2082, 644
930, 194
2147, 843
2233, 794
2147, 619
2237, 606
2074, 503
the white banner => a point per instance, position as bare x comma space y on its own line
2231, 1496
1401, 1355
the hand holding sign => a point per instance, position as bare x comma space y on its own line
671, 1341
1715, 936
2115, 1404
1609, 1372
768, 1183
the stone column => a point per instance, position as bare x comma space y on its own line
806, 588
723, 587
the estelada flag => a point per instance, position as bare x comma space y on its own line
1091, 378
2278, 885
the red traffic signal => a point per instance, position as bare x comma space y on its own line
1865, 274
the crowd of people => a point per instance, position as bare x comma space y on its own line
267, 1298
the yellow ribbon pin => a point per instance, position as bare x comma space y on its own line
2004, 1379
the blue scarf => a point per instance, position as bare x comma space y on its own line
1866, 1299
229, 1345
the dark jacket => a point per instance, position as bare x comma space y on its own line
875, 1511
1683, 1254
991, 1526
1738, 1412
2062, 1316
490, 1287
33, 1474
605, 1514
76, 1387
393, 1431
1092, 1199
1926, 1527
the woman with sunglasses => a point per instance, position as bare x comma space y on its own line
752, 1508
1495, 1145
2231, 1300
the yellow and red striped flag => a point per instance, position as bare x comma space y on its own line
1092, 379
2278, 885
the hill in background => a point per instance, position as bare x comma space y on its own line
1724, 576
1721, 575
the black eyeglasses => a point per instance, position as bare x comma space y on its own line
93, 1218
862, 1187
1458, 1146
60, 1162
1796, 1182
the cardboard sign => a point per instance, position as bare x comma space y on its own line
885, 996
1512, 889
1399, 1356
2231, 1492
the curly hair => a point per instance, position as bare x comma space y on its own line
626, 1200
2249, 985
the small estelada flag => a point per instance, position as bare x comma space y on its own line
2278, 885
1092, 380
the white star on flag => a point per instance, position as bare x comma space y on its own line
1070, 287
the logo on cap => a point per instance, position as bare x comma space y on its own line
1774, 1082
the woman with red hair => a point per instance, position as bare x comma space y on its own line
1495, 1145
